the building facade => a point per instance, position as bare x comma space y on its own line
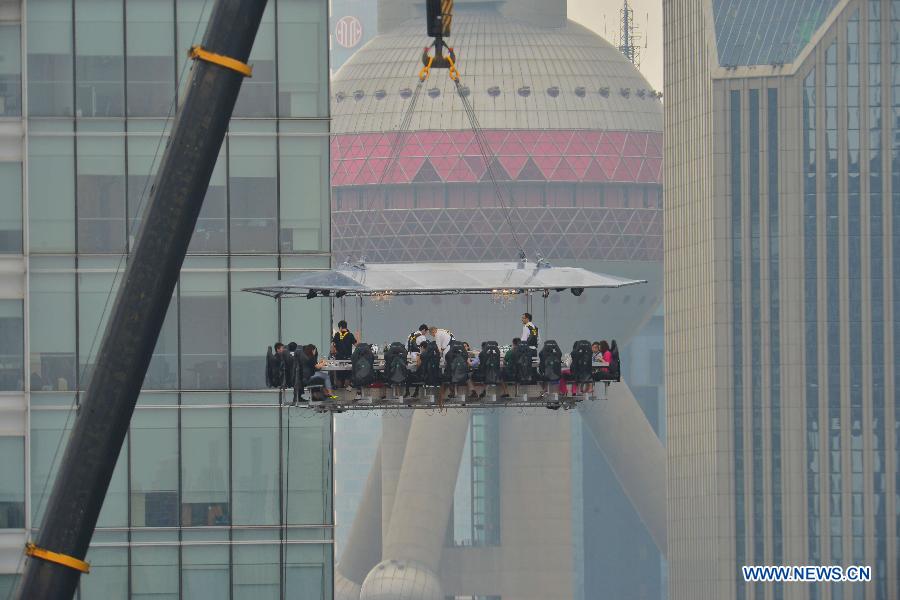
218, 492
782, 257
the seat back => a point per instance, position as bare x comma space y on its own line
396, 370
489, 363
581, 361
456, 364
550, 361
362, 366
615, 366
430, 369
274, 369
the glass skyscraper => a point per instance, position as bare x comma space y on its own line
782, 270
218, 492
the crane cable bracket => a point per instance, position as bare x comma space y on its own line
58, 558
426, 70
439, 60
197, 52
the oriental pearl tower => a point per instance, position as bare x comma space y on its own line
575, 140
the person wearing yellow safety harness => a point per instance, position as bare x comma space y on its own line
342, 349
529, 331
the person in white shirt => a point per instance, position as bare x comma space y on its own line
442, 338
529, 331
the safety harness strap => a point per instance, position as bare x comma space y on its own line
55, 557
223, 61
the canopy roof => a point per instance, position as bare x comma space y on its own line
404, 279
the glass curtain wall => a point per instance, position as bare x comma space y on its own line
218, 492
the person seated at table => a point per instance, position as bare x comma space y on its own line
415, 377
508, 374
312, 369
415, 356
473, 363
601, 355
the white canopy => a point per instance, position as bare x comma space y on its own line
438, 279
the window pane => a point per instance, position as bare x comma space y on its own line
93, 291
257, 96
10, 70
99, 60
51, 199
101, 187
52, 328
302, 32
191, 26
204, 331
307, 565
253, 187
205, 572
154, 573
10, 205
162, 374
50, 90
150, 27
256, 571
250, 337
210, 233
114, 512
109, 574
305, 222
308, 470
145, 149
7, 584
255, 468
204, 476
12, 483
46, 431
12, 346
154, 468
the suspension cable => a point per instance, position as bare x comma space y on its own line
489, 158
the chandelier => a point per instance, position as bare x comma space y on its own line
503, 296
382, 299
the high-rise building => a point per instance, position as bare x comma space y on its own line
218, 492
782, 261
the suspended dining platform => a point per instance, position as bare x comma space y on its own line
537, 386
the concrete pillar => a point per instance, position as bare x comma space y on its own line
394, 431
421, 506
634, 452
363, 549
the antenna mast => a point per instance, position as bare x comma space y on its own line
629, 35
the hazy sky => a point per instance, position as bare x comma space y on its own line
602, 16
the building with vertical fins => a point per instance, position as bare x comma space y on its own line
782, 262
218, 493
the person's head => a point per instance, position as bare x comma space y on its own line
526, 318
342, 325
311, 350
279, 347
595, 347
292, 347
432, 330
516, 341
466, 346
423, 328
421, 342
423, 345
604, 346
